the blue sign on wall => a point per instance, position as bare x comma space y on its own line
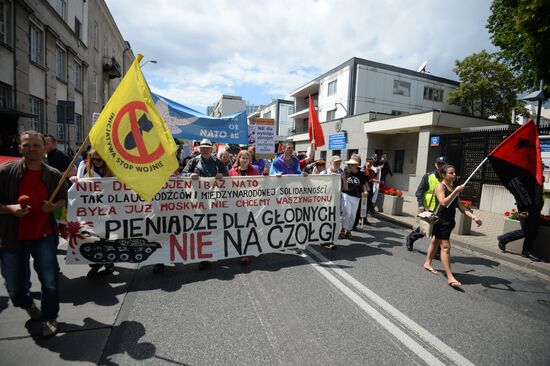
544, 144
337, 141
434, 141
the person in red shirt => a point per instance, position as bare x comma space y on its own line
243, 167
29, 228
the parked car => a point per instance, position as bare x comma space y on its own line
7, 159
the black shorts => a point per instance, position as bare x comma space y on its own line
442, 229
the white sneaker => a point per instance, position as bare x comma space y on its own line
49, 328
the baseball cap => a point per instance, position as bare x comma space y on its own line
206, 143
335, 158
352, 161
441, 160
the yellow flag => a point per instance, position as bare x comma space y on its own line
133, 139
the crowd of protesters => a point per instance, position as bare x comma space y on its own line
30, 229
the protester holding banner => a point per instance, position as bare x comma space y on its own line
28, 228
447, 196
95, 167
243, 167
286, 163
335, 169
205, 165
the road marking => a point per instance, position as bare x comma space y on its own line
398, 316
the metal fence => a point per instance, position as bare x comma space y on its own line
466, 150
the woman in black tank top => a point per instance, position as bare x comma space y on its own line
447, 196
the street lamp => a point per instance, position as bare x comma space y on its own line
146, 62
338, 103
539, 97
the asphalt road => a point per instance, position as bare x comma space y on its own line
367, 303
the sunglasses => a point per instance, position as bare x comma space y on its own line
97, 159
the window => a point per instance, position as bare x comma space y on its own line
399, 161
60, 132
96, 36
5, 22
62, 9
95, 89
105, 47
60, 61
35, 35
79, 127
5, 96
267, 115
397, 113
37, 108
77, 68
433, 94
332, 87
331, 115
402, 88
77, 26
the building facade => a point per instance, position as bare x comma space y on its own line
366, 107
60, 62
228, 104
360, 86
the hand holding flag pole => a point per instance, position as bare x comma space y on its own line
69, 169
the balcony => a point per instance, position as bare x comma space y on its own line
111, 67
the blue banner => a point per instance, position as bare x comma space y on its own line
187, 123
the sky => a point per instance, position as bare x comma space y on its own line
262, 50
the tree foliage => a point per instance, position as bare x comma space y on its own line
487, 87
521, 28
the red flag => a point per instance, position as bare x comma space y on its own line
280, 148
315, 130
518, 164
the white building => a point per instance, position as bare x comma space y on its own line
279, 110
367, 107
359, 86
228, 104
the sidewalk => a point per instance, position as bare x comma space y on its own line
482, 239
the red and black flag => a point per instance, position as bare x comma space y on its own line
518, 164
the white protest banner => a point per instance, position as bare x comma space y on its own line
265, 136
195, 220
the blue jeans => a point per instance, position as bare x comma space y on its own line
16, 273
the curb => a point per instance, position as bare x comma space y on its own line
502, 258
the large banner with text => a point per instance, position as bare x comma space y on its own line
200, 220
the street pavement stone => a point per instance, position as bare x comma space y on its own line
483, 239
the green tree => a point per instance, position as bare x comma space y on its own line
521, 28
487, 87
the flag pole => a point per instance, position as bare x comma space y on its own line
471, 175
475, 170
69, 168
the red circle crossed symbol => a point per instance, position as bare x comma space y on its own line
143, 157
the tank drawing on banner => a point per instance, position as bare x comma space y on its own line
135, 250
100, 250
